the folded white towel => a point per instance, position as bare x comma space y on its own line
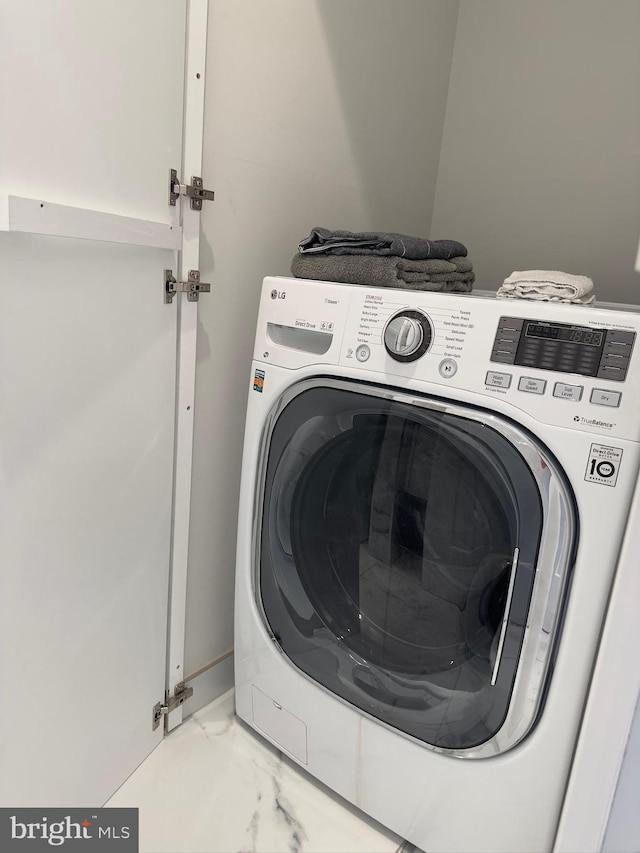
547, 286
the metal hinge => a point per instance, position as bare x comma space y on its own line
180, 695
193, 287
195, 191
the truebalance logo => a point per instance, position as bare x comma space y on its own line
42, 829
593, 422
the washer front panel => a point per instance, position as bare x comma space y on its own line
511, 801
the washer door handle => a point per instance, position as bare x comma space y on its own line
505, 617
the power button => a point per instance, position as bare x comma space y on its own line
363, 352
447, 368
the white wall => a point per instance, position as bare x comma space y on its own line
317, 113
540, 163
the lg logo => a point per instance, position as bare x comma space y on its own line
278, 294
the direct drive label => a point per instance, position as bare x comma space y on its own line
603, 464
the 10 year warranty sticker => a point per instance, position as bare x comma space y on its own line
603, 464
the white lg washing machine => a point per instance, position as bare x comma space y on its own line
434, 493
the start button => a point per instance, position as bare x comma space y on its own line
448, 368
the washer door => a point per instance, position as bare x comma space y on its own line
404, 542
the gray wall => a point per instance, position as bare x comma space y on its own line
540, 162
317, 113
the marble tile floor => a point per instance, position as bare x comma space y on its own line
212, 786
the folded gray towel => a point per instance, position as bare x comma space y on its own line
377, 271
462, 264
322, 240
437, 276
432, 265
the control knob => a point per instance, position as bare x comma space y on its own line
407, 335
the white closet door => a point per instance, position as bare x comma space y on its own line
91, 100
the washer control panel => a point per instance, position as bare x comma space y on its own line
577, 374
563, 348
565, 365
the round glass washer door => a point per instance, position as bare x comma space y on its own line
399, 545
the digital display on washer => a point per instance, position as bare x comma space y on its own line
574, 334
562, 347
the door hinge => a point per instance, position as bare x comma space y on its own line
193, 287
194, 191
180, 695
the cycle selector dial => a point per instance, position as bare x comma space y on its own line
407, 335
